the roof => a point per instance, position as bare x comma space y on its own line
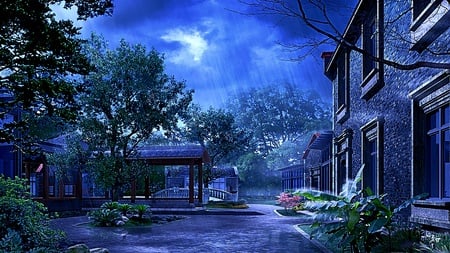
319, 141
187, 152
292, 167
352, 31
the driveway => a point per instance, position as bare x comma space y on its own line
258, 230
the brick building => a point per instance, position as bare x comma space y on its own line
396, 122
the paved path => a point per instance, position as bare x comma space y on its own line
198, 233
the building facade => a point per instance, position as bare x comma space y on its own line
395, 119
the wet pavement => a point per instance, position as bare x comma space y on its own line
257, 229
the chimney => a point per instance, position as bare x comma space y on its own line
326, 56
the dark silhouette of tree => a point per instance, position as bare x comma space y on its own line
40, 58
321, 17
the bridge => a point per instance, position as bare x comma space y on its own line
183, 193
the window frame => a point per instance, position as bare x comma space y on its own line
428, 22
426, 99
342, 152
373, 44
342, 110
371, 132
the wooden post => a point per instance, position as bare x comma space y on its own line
147, 188
200, 183
133, 190
191, 184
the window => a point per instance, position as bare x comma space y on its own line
431, 138
343, 88
372, 155
372, 40
438, 152
343, 159
430, 20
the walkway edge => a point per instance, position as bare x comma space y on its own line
313, 241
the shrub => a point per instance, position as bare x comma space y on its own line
288, 200
24, 223
110, 205
358, 218
105, 217
142, 210
125, 208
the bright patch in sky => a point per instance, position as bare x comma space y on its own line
194, 45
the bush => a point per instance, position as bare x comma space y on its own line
24, 223
125, 209
142, 210
288, 200
110, 205
105, 217
359, 219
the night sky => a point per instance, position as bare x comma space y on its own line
215, 49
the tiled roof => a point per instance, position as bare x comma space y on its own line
161, 152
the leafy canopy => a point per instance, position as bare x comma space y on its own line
279, 114
40, 58
126, 99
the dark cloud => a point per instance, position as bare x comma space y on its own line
217, 52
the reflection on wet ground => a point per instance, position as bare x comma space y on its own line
198, 233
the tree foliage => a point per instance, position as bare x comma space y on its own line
217, 132
25, 226
40, 56
279, 114
127, 98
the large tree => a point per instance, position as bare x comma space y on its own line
323, 17
217, 132
128, 97
39, 58
279, 114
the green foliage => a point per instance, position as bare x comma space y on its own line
112, 205
254, 173
125, 209
39, 56
358, 218
24, 222
142, 210
435, 242
279, 114
127, 98
217, 132
105, 217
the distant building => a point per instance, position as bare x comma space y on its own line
317, 159
396, 122
293, 177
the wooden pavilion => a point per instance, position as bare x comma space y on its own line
188, 155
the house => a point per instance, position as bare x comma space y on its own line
395, 122
293, 177
317, 160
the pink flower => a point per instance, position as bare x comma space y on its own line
288, 200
